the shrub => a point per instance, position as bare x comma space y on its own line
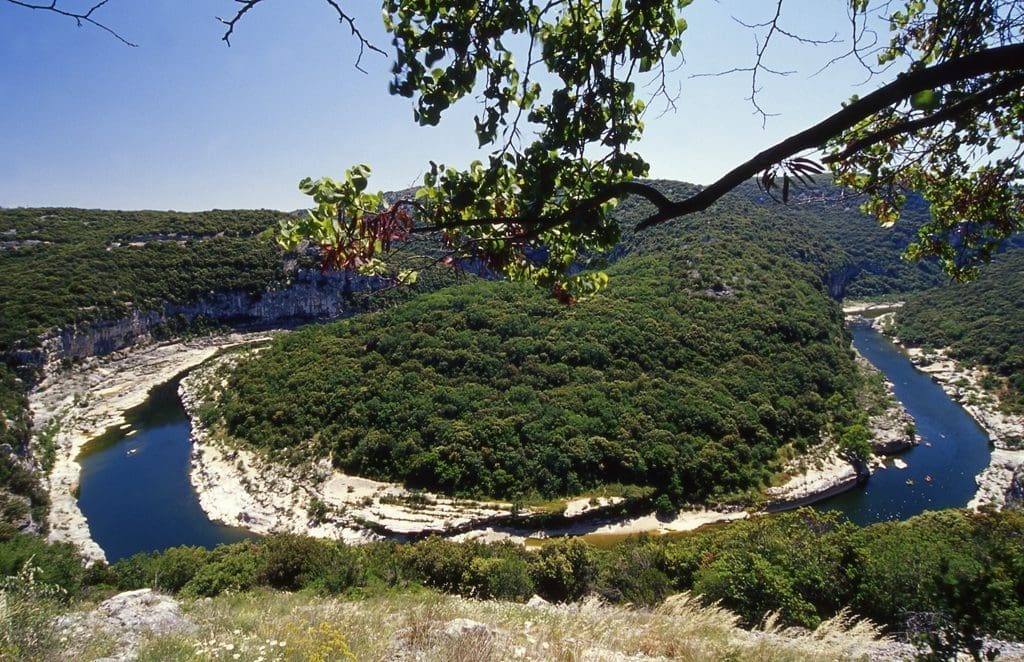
28, 607
336, 569
234, 568
504, 577
634, 571
441, 563
177, 566
564, 570
287, 560
55, 563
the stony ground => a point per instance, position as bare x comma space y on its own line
426, 626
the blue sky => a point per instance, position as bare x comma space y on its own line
184, 122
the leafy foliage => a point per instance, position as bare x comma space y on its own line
948, 576
959, 143
567, 74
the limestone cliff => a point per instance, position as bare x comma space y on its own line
312, 296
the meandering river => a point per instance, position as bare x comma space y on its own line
940, 471
134, 485
136, 494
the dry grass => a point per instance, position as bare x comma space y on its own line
265, 626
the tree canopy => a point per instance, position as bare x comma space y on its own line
557, 83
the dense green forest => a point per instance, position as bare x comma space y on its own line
711, 354
982, 322
61, 266
952, 571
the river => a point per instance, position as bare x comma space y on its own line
134, 484
940, 471
136, 494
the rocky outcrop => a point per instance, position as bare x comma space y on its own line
1001, 484
836, 281
127, 619
471, 638
831, 476
892, 430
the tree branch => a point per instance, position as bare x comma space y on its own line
364, 43
994, 60
79, 17
978, 100
1004, 58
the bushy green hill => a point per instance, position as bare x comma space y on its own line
872, 265
707, 355
61, 266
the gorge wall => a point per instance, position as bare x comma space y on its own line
312, 296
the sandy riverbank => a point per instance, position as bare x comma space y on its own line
870, 308
242, 488
92, 397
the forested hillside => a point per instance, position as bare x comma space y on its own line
981, 322
711, 352
872, 264
60, 266
64, 266
820, 226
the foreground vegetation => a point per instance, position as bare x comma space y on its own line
950, 574
423, 624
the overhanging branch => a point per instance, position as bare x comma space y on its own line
80, 18
990, 61
343, 17
978, 101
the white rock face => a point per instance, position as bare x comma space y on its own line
312, 296
127, 619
